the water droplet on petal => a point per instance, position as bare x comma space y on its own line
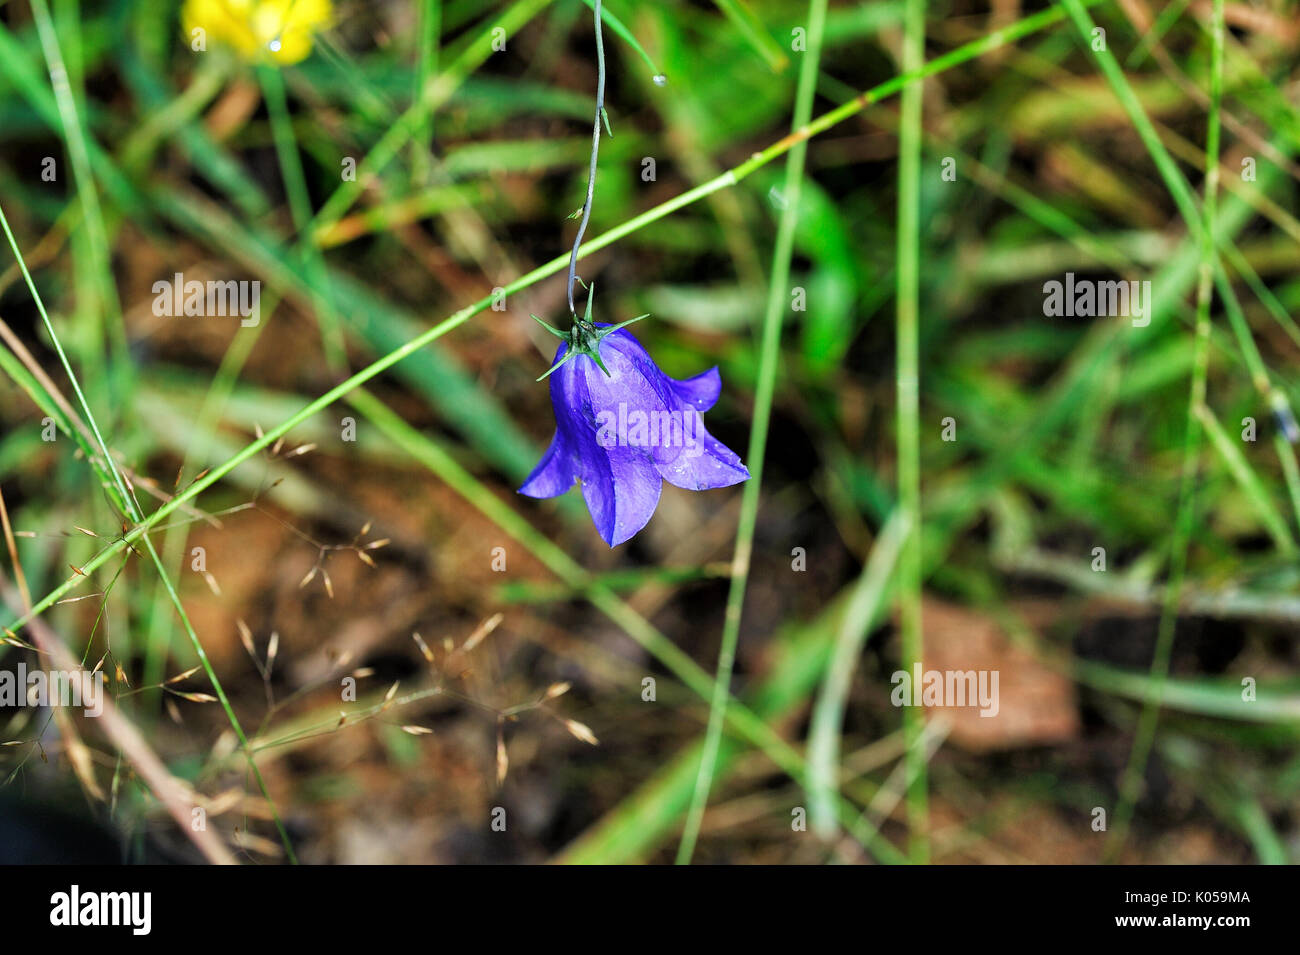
659, 79
274, 45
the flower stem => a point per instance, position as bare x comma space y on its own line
595, 152
295, 187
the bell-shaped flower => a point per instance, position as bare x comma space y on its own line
623, 427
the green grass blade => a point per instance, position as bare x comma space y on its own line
769, 352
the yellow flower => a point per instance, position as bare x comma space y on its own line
280, 30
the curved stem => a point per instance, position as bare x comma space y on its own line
595, 151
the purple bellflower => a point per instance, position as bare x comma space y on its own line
623, 427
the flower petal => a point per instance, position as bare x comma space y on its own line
558, 468
635, 401
554, 472
700, 392
705, 463
623, 489
622, 492
634, 377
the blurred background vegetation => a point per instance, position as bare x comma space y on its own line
232, 163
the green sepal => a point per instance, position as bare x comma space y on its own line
569, 354
550, 328
584, 338
605, 332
